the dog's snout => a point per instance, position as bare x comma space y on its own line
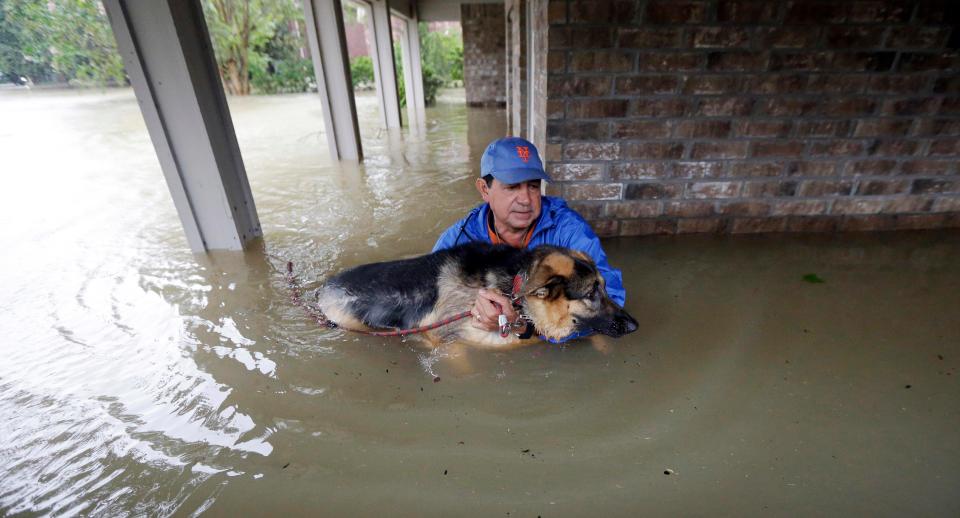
628, 323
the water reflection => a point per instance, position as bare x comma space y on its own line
138, 378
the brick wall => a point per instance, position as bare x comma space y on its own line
673, 116
484, 53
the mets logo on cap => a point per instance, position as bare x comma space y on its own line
524, 153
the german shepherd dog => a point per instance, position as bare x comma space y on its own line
558, 290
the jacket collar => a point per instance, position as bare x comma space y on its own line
549, 205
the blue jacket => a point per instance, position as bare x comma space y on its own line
559, 225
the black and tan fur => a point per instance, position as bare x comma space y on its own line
563, 293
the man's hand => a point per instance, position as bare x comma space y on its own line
488, 306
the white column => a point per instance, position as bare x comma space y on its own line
328, 47
413, 73
384, 70
168, 56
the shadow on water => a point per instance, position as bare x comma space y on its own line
139, 378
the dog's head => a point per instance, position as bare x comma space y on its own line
565, 293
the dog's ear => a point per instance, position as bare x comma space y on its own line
554, 283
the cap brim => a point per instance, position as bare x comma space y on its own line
524, 174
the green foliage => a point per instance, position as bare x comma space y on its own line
442, 54
431, 83
72, 39
361, 71
278, 67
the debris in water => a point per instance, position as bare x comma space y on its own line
813, 278
444, 472
436, 379
907, 386
668, 472
940, 357
285, 466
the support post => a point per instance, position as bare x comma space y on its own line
384, 70
167, 53
328, 48
413, 73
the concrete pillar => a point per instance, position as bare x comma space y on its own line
384, 70
168, 56
516, 66
413, 73
328, 47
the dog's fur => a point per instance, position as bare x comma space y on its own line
563, 293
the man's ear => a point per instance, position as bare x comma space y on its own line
483, 189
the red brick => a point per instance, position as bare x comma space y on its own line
945, 147
818, 188
812, 224
722, 37
768, 189
898, 83
675, 11
649, 37
695, 170
870, 167
931, 186
555, 108
756, 169
800, 61
725, 149
602, 61
777, 148
704, 190
725, 106
591, 151
924, 61
652, 150
951, 204
893, 147
652, 191
879, 11
812, 169
799, 208
699, 225
557, 12
866, 223
857, 206
646, 227
864, 61
936, 127
950, 106
592, 191
633, 209
829, 128
745, 208
746, 11
779, 84
702, 129
590, 210
598, 108
787, 107
926, 167
917, 37
673, 107
591, 86
758, 225
689, 209
761, 128
553, 152
639, 171
849, 107
554, 189
789, 37
815, 12
737, 61
712, 85
576, 130
855, 37
919, 221
838, 83
568, 172
605, 227
670, 61
882, 187
914, 106
837, 147
647, 85
644, 129
945, 85
556, 61
907, 204
882, 128
607, 11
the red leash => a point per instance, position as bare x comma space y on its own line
325, 322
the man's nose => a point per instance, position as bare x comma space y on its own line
524, 196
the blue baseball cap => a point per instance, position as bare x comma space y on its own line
512, 160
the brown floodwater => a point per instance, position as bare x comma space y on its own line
140, 379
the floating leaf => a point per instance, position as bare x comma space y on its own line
813, 278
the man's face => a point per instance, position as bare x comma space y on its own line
515, 205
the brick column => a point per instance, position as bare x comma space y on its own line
484, 53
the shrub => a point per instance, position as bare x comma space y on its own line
361, 71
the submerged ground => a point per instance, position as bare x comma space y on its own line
138, 378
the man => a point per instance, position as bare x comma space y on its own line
514, 213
